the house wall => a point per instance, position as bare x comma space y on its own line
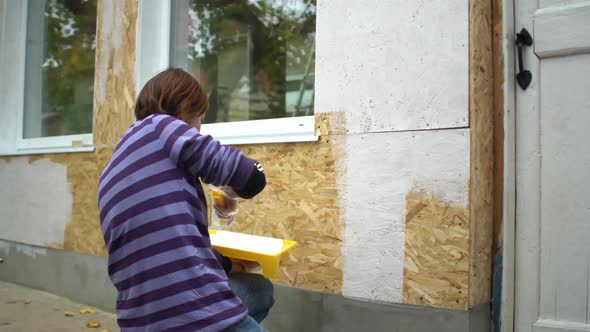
382, 205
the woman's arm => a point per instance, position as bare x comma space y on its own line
204, 157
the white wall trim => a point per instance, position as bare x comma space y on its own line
19, 87
153, 40
153, 56
65, 141
528, 182
509, 167
12, 152
279, 130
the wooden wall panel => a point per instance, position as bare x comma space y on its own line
436, 263
300, 203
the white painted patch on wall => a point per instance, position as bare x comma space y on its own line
393, 65
381, 169
35, 201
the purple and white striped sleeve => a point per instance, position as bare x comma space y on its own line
204, 157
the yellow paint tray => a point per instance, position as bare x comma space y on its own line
266, 251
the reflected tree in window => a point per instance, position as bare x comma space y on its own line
60, 67
255, 57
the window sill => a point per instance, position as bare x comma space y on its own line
24, 152
280, 130
267, 139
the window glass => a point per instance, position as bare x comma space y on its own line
256, 58
59, 82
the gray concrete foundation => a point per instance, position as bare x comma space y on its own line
84, 279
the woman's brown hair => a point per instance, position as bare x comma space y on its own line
173, 92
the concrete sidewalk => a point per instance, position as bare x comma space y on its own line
28, 310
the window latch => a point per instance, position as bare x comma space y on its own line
524, 77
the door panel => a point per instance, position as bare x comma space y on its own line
553, 170
565, 183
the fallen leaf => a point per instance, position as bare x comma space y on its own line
69, 314
87, 311
93, 325
28, 301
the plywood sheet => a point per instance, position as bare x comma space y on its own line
481, 113
114, 82
393, 65
436, 262
300, 203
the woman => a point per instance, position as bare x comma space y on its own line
153, 216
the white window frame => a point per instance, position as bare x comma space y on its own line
13, 48
153, 56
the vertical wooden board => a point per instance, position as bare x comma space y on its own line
481, 114
498, 58
436, 262
114, 81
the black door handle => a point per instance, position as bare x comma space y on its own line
524, 77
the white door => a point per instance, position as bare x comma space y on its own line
552, 261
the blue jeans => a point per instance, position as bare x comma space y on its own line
256, 292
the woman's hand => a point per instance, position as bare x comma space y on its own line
229, 192
242, 266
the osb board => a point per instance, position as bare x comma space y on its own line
436, 258
299, 203
482, 153
498, 58
114, 82
83, 233
333, 123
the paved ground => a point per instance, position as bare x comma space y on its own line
28, 310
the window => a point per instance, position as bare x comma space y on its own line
255, 58
49, 48
61, 39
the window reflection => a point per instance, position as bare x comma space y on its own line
61, 43
256, 58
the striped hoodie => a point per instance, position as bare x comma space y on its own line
154, 220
